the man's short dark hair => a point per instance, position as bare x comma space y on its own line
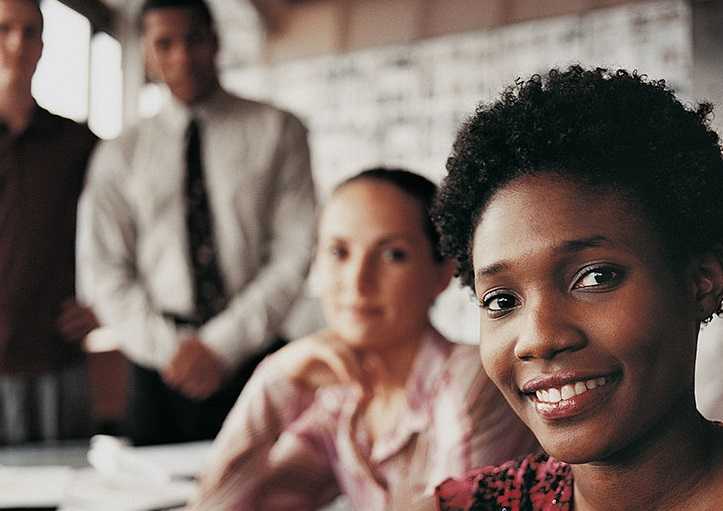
200, 7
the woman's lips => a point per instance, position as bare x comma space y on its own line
364, 311
558, 400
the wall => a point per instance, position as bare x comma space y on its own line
707, 73
708, 84
401, 104
319, 27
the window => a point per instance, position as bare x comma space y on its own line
61, 80
79, 75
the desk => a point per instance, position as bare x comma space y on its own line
88, 491
58, 477
72, 455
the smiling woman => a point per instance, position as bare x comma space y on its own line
585, 210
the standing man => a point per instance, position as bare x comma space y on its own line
43, 378
196, 231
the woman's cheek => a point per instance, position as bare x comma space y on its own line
494, 356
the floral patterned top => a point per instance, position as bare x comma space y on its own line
536, 482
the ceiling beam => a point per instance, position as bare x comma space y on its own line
274, 12
271, 12
101, 16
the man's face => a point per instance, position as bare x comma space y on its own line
180, 51
21, 43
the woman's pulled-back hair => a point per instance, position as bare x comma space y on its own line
416, 186
602, 128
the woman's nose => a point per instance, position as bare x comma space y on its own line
361, 276
549, 329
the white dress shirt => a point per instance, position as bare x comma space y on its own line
133, 261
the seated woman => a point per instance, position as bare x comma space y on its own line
380, 406
585, 209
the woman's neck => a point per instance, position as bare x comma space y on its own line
388, 368
389, 365
664, 470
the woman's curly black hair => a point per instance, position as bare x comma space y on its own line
599, 127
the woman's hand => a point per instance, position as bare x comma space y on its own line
320, 359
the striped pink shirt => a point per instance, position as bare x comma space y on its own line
284, 448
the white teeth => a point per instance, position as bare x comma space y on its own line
567, 391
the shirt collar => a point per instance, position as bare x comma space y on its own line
422, 384
428, 364
176, 115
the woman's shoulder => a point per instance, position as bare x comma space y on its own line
534, 482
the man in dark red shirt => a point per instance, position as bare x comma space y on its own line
43, 387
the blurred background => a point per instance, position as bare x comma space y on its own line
380, 81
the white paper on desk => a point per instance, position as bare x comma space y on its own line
115, 460
178, 460
33, 486
91, 491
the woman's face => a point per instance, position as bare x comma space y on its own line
377, 272
585, 328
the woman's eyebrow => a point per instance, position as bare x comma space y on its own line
334, 239
492, 269
566, 247
395, 237
583, 243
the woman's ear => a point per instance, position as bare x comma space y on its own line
707, 282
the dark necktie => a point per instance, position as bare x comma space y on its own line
208, 288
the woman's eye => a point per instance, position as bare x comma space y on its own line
338, 252
394, 255
499, 302
598, 277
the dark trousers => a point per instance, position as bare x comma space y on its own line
157, 414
